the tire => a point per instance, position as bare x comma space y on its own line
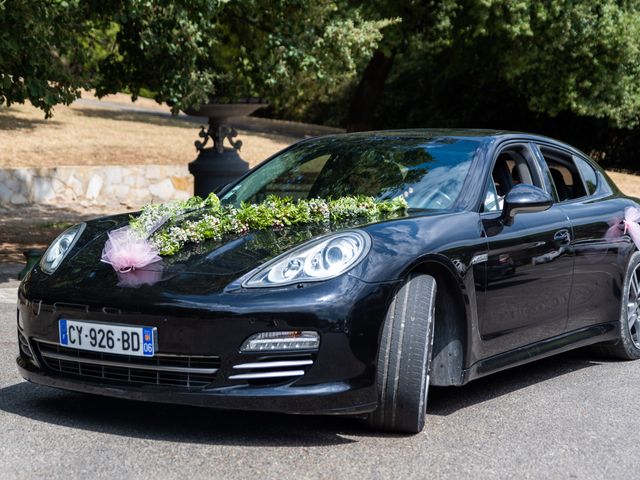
404, 358
627, 347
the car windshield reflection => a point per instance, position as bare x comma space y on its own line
429, 174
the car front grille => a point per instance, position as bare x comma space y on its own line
179, 371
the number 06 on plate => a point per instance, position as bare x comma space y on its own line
114, 339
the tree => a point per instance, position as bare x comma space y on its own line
427, 20
553, 57
41, 52
291, 51
581, 57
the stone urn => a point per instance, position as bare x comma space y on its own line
216, 164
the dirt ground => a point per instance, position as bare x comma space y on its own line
628, 183
33, 227
85, 135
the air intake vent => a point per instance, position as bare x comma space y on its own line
179, 371
25, 349
272, 369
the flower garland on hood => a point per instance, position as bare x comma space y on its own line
164, 229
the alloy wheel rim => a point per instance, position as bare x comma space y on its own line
633, 307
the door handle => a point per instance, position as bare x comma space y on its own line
562, 236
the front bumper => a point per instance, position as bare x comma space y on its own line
340, 378
337, 398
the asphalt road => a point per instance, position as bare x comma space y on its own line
568, 417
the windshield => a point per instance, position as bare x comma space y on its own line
428, 173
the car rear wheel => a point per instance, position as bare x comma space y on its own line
627, 347
404, 358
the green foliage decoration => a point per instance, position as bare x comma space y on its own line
174, 225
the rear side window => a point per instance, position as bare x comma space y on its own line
588, 175
564, 174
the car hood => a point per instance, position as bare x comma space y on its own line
207, 274
220, 261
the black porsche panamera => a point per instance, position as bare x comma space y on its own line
504, 256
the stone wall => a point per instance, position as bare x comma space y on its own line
132, 185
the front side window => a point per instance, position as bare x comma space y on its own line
429, 173
492, 201
512, 167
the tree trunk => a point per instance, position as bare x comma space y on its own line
368, 94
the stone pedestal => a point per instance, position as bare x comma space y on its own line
218, 165
212, 170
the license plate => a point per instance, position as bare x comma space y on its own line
116, 339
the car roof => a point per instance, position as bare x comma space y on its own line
424, 133
478, 134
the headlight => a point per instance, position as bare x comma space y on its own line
60, 247
321, 259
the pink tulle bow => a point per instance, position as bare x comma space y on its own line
137, 278
126, 251
629, 225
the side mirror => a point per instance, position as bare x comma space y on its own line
524, 199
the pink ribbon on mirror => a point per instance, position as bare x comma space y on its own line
627, 226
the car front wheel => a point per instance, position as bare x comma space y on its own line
404, 358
